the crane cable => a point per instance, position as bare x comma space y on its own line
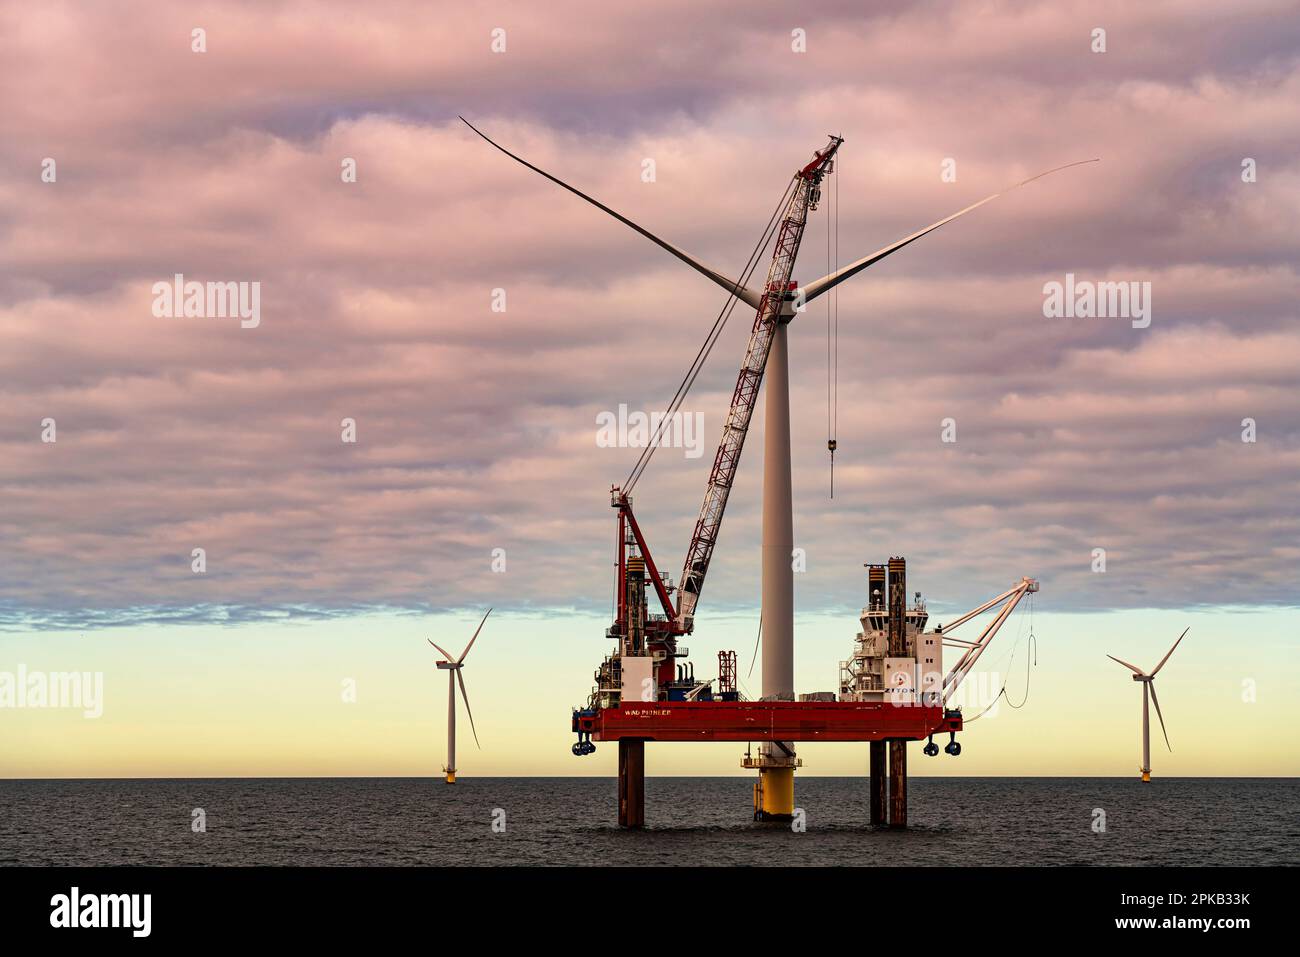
833, 309
710, 340
643, 461
1002, 693
758, 640
1033, 645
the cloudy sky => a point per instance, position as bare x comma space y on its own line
476, 429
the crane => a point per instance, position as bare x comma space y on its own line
776, 303
973, 649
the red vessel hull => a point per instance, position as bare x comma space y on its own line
766, 721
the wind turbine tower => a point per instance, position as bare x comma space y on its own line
1149, 698
453, 668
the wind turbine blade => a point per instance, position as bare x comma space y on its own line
1133, 668
1156, 702
441, 650
814, 289
744, 293
1156, 671
474, 639
460, 678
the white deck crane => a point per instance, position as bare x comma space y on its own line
973, 649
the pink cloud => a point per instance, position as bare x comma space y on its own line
476, 428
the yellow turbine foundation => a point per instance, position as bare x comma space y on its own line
774, 794
451, 777
1146, 776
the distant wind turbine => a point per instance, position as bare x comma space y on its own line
453, 667
1149, 693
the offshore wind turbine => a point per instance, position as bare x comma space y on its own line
767, 356
453, 668
1149, 696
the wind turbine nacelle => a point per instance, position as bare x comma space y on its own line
446, 665
792, 299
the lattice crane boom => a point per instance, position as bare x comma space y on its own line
966, 662
777, 292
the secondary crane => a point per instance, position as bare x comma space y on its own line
973, 649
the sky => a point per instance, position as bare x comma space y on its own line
476, 477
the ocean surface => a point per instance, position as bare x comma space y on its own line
547, 821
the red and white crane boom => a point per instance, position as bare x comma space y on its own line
772, 309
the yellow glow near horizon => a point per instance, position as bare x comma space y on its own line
267, 700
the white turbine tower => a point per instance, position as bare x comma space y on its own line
1149, 694
453, 667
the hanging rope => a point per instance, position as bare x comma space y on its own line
757, 641
833, 326
830, 441
1033, 646
1029, 658
835, 292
